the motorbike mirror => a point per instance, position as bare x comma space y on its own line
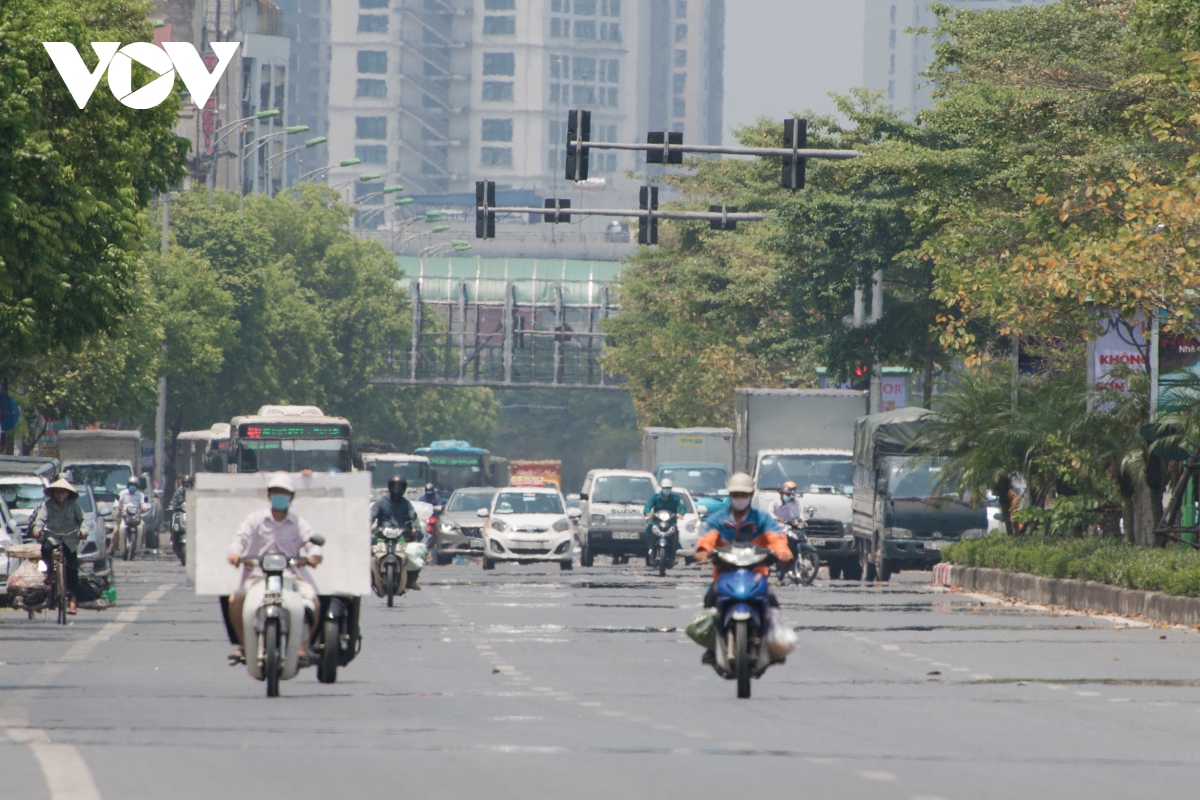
317, 539
483, 512
574, 513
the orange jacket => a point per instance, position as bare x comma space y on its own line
722, 530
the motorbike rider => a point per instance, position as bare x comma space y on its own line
431, 495
60, 518
131, 496
736, 521
179, 499
393, 510
787, 507
664, 500
275, 530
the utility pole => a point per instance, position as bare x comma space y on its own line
160, 414
876, 394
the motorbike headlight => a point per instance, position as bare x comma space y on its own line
274, 562
562, 525
499, 525
597, 519
897, 533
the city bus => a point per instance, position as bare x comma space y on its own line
290, 439
458, 465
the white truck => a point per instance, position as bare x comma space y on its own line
105, 460
806, 436
696, 459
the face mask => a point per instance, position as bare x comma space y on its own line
739, 503
666, 492
280, 502
787, 498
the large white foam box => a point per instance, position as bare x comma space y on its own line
336, 505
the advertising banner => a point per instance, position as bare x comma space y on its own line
1122, 344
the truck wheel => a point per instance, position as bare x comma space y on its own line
866, 565
488, 564
585, 557
835, 572
883, 566
852, 572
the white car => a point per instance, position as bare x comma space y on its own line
23, 494
529, 525
689, 527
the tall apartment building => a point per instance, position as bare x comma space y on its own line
436, 94
893, 60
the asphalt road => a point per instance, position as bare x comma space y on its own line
530, 683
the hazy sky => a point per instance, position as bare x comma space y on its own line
787, 55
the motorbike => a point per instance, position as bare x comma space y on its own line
664, 541
743, 614
179, 536
802, 569
131, 533
396, 565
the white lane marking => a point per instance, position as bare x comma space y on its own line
1088, 694
1122, 700
981, 676
959, 669
890, 646
926, 797
590, 704
874, 775
1054, 687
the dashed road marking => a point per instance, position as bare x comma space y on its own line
875, 775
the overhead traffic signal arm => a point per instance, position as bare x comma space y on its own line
485, 215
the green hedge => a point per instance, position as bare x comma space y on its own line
1171, 570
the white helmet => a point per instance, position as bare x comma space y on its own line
740, 483
667, 484
281, 480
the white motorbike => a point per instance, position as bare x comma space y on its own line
130, 530
396, 567
273, 619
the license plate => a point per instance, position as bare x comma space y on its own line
934, 545
475, 542
817, 542
626, 535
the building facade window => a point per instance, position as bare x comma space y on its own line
371, 87
681, 33
497, 90
681, 58
560, 6
499, 64
370, 127
583, 95
372, 62
493, 25
556, 93
371, 153
679, 83
372, 4
586, 8
610, 31
678, 107
612, 96
496, 157
610, 8
892, 38
372, 23
610, 70
500, 5
680, 9
560, 28
584, 68
497, 130
585, 29
560, 66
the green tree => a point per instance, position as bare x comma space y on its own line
73, 182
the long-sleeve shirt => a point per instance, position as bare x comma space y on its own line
672, 504
61, 520
260, 534
757, 527
785, 511
135, 498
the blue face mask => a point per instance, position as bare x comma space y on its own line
666, 492
280, 502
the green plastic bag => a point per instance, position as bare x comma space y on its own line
110, 594
703, 629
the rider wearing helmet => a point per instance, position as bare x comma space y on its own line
131, 496
787, 507
394, 510
431, 495
665, 500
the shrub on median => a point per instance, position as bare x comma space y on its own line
1170, 570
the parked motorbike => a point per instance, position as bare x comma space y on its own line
664, 541
743, 614
802, 569
179, 536
132, 532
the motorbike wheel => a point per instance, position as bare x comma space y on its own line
177, 546
60, 587
661, 557
391, 582
808, 565
125, 546
330, 642
741, 637
273, 663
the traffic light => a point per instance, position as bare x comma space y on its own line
648, 225
556, 213
723, 224
485, 218
671, 138
579, 129
795, 137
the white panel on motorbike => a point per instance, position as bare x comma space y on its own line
336, 506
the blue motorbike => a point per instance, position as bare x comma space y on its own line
743, 614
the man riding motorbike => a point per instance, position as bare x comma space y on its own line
58, 521
787, 507
393, 510
430, 496
738, 522
131, 496
276, 530
665, 500
179, 499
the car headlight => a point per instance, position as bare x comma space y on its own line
597, 519
499, 525
446, 527
897, 533
691, 525
562, 525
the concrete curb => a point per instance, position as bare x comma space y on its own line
1066, 593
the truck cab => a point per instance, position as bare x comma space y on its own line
704, 482
903, 516
824, 488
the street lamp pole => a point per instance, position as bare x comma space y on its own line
228, 129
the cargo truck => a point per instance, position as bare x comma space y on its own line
903, 516
105, 460
696, 459
806, 436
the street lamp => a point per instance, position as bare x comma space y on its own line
257, 145
363, 215
308, 145
269, 113
348, 162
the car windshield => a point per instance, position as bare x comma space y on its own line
622, 489
916, 478
382, 470
85, 502
469, 501
22, 495
106, 480
808, 472
702, 480
532, 503
294, 455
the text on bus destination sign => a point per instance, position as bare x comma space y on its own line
291, 431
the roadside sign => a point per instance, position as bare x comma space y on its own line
10, 413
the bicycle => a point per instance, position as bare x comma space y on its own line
57, 570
